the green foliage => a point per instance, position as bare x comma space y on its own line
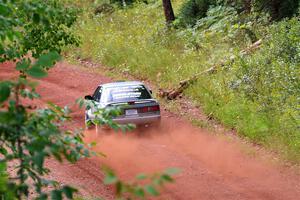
262, 89
45, 27
4, 91
7, 192
271, 77
218, 18
142, 186
276, 8
193, 10
28, 137
51, 26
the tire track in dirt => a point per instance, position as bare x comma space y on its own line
212, 166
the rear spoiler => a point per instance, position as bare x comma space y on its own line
134, 102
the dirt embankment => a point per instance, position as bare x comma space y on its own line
213, 167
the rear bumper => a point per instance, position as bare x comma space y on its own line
138, 120
147, 119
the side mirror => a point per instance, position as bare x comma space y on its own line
150, 91
88, 97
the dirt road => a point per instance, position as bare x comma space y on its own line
213, 167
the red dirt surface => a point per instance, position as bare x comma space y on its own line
212, 167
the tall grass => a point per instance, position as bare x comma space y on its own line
135, 40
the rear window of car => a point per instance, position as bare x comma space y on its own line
125, 93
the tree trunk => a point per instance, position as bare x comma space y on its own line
168, 10
247, 5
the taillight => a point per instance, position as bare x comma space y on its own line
153, 108
149, 109
143, 109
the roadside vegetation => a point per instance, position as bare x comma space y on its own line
257, 93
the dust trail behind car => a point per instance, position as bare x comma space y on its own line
212, 167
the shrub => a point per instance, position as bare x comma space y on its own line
193, 10
271, 75
278, 9
270, 79
28, 136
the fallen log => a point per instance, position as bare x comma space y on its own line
256, 45
176, 92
